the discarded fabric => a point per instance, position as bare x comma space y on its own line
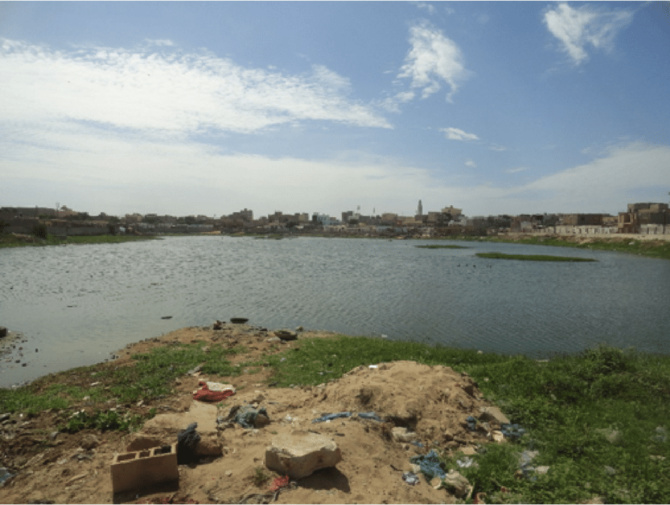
472, 423
249, 417
370, 415
213, 391
330, 417
411, 478
187, 442
430, 465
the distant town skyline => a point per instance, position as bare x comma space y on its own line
207, 108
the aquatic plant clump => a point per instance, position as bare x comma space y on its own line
532, 257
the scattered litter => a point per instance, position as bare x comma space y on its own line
472, 423
466, 462
512, 431
411, 478
373, 367
249, 417
4, 476
187, 442
370, 415
430, 465
213, 391
330, 417
660, 435
417, 443
279, 483
195, 370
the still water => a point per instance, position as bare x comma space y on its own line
78, 304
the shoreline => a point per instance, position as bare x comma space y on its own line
101, 410
653, 246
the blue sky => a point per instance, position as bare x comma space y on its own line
207, 108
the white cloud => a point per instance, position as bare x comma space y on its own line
430, 8
433, 60
516, 170
167, 92
458, 134
470, 164
577, 28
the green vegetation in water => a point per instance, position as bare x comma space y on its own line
530, 257
599, 419
648, 248
440, 246
33, 241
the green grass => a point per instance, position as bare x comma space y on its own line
531, 257
150, 378
7, 240
599, 419
440, 246
649, 248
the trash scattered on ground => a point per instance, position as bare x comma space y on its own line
411, 478
466, 462
187, 443
5, 475
330, 417
248, 416
512, 431
370, 415
430, 465
279, 483
457, 484
213, 391
527, 469
194, 370
472, 423
660, 435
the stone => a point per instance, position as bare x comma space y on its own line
301, 453
493, 414
401, 434
89, 442
457, 484
286, 335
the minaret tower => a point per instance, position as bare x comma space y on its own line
419, 209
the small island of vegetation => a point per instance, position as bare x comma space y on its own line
441, 246
531, 257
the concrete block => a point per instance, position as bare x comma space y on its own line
300, 454
138, 469
493, 414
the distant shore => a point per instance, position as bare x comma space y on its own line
652, 246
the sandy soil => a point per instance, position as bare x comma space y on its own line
431, 401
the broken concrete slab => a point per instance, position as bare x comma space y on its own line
163, 429
301, 453
493, 414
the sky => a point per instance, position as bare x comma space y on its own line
190, 108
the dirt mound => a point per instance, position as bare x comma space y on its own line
433, 401
408, 409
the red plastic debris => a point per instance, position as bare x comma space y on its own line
204, 394
279, 483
